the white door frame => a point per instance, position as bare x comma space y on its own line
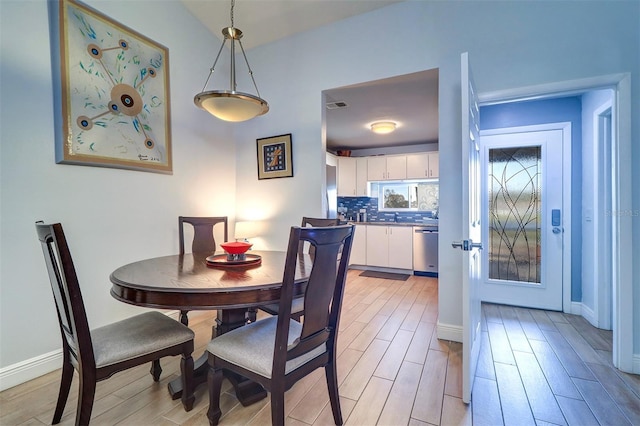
602, 187
565, 127
621, 194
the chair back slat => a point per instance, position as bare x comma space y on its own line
203, 237
323, 295
72, 316
316, 222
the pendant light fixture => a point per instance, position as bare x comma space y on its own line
231, 105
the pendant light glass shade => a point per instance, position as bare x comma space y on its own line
231, 105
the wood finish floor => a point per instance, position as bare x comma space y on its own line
536, 367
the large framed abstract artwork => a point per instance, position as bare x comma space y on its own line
275, 157
111, 92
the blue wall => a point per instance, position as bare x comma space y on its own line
542, 112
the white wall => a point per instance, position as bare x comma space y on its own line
511, 44
111, 216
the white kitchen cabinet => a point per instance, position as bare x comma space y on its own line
352, 176
346, 177
361, 176
377, 246
376, 168
387, 167
401, 247
417, 166
434, 164
396, 167
390, 246
359, 246
422, 165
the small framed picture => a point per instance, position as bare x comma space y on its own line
274, 157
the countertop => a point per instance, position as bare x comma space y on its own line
430, 223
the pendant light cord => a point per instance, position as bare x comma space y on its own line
233, 4
211, 70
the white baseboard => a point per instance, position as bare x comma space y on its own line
449, 332
636, 363
589, 315
575, 308
23, 371
578, 308
30, 369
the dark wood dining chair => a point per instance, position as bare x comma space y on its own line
100, 353
278, 351
203, 238
204, 242
297, 307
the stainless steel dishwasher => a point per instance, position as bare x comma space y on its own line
425, 250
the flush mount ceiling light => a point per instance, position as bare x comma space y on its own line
383, 127
231, 105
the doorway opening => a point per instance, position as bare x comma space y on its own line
526, 215
612, 130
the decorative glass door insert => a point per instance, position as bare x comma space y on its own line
515, 217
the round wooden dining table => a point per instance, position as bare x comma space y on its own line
187, 282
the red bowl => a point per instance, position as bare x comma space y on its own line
236, 247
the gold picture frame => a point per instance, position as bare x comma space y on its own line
275, 157
111, 86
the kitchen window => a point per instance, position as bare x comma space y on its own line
406, 195
399, 196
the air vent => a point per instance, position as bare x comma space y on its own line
336, 105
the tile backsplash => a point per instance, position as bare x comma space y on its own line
354, 204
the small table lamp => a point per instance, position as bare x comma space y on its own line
245, 230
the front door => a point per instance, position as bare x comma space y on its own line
522, 209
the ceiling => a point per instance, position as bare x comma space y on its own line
264, 21
410, 100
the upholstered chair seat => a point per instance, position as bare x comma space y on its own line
251, 346
297, 308
137, 336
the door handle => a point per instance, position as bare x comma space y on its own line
466, 245
556, 230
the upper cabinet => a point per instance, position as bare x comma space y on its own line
355, 172
361, 176
396, 167
387, 167
434, 161
346, 177
352, 176
422, 165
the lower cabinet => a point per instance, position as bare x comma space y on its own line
389, 246
359, 246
